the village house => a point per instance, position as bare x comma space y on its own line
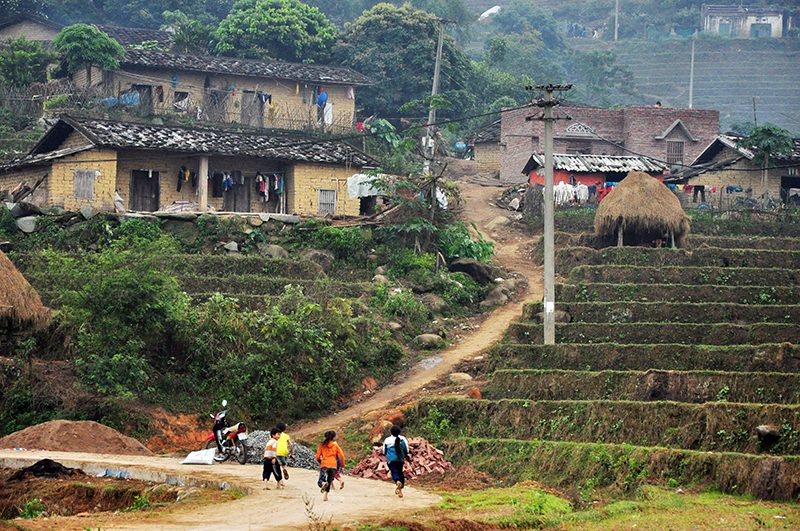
91, 162
40, 29
269, 94
673, 136
728, 176
487, 151
743, 22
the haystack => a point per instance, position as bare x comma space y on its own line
641, 209
21, 309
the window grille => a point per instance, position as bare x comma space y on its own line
327, 202
674, 152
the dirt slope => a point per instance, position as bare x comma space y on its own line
360, 500
74, 436
511, 254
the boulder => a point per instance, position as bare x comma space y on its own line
27, 224
394, 326
185, 232
285, 218
369, 383
272, 250
396, 417
514, 204
381, 270
324, 259
429, 341
498, 223
768, 434
560, 315
435, 303
474, 393
380, 279
23, 209
459, 377
373, 257
6, 247
231, 247
255, 221
88, 212
482, 273
497, 297
178, 216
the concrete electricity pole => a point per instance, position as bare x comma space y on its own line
547, 103
691, 74
429, 149
616, 21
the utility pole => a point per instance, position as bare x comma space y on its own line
616, 21
691, 75
549, 223
429, 149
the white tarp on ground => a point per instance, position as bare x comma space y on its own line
489, 12
200, 457
363, 185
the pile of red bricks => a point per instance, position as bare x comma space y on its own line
422, 459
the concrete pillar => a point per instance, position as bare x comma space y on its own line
202, 180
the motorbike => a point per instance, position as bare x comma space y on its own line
228, 440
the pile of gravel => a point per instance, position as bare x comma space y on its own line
304, 457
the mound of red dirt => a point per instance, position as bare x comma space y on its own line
74, 436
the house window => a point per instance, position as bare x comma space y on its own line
83, 184
579, 147
180, 102
761, 31
794, 171
674, 152
327, 202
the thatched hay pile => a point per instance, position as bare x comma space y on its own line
20, 305
644, 209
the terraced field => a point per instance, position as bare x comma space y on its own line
253, 280
676, 367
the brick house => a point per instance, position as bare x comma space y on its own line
729, 168
674, 136
85, 161
487, 148
270, 94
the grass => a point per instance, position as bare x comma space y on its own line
527, 506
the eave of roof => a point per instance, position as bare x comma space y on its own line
595, 163
676, 123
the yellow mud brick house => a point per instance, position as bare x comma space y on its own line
146, 168
269, 94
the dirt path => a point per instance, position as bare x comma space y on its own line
510, 246
360, 500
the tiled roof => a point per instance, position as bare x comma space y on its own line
733, 141
274, 145
244, 67
488, 133
128, 36
596, 163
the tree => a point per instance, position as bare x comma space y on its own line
84, 46
24, 62
769, 141
276, 29
522, 16
598, 79
189, 35
136, 13
396, 48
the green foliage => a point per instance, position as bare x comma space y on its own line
437, 425
598, 78
524, 16
400, 304
8, 226
769, 141
462, 290
455, 241
344, 243
140, 503
83, 46
190, 35
58, 101
32, 508
133, 13
276, 29
24, 62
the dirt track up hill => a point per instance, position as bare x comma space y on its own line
74, 436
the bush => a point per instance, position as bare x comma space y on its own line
400, 304
455, 242
462, 290
347, 243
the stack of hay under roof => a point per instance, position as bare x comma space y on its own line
641, 209
21, 309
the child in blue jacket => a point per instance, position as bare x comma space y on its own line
395, 447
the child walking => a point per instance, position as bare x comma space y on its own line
395, 448
285, 449
328, 453
271, 466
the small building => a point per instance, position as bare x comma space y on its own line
35, 28
89, 162
728, 174
674, 136
743, 22
487, 148
592, 170
270, 94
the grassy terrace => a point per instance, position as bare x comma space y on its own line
673, 312
667, 356
677, 386
728, 276
699, 293
624, 467
724, 427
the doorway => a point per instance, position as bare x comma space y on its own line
237, 199
145, 191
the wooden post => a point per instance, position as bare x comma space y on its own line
619, 236
672, 239
202, 180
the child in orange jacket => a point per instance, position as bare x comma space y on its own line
328, 453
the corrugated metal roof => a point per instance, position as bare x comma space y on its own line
596, 163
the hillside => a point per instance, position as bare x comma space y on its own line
728, 75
